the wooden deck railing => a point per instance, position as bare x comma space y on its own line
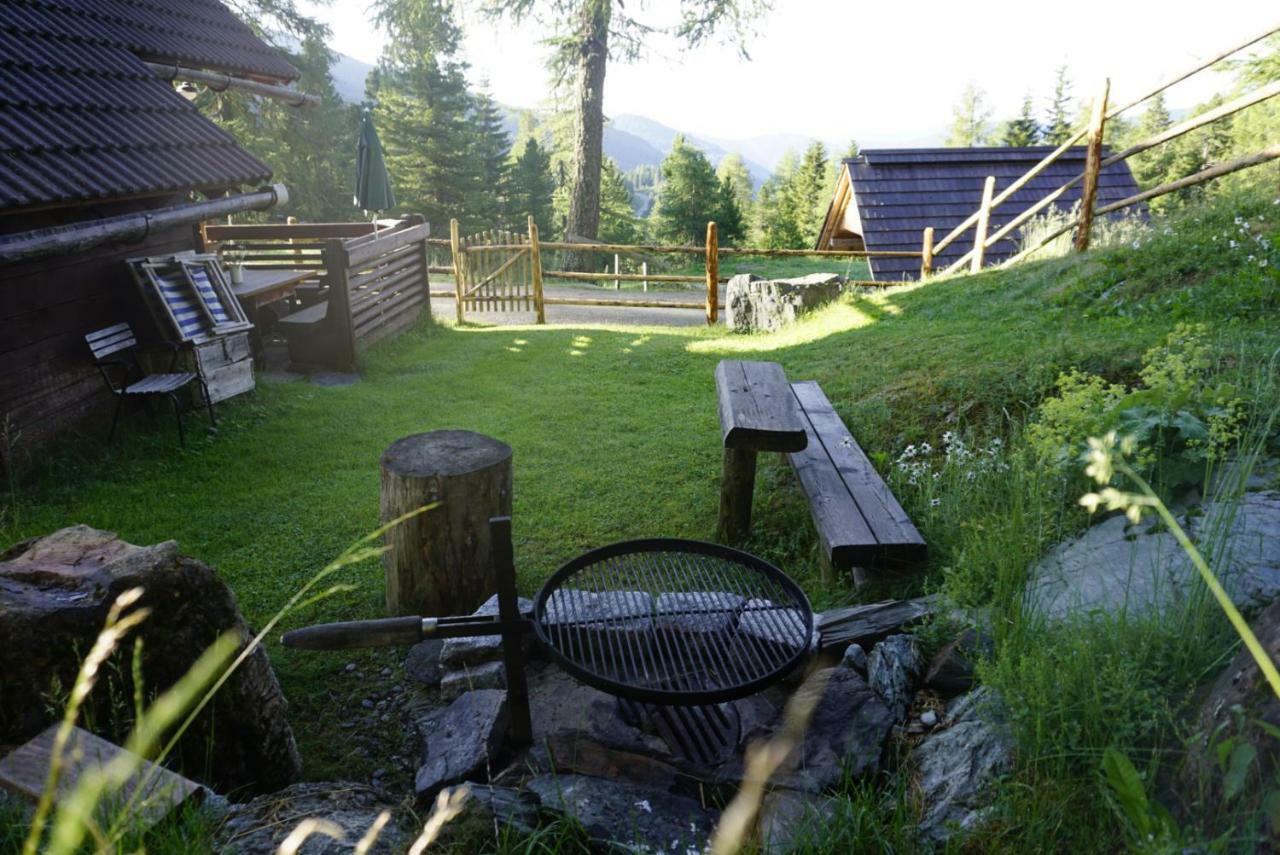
1100, 114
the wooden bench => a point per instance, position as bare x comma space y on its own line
861, 525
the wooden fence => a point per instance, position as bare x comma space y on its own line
368, 283
480, 273
1092, 135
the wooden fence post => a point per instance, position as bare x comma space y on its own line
1092, 167
713, 274
535, 262
455, 245
984, 220
926, 253
337, 267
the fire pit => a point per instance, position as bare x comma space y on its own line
659, 621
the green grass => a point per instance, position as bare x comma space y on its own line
615, 435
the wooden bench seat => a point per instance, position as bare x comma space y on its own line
860, 523
305, 318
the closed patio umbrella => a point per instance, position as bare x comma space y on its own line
373, 184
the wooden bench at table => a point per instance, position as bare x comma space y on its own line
861, 525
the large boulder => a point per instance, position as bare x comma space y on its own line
625, 817
54, 595
753, 304
461, 741
1116, 567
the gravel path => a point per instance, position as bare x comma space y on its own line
443, 307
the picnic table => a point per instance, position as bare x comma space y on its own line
258, 288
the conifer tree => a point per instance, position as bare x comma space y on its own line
688, 197
618, 221
776, 224
733, 172
969, 119
531, 188
1057, 127
731, 221
1152, 166
490, 148
422, 112
810, 191
1024, 130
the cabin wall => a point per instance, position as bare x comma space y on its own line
47, 382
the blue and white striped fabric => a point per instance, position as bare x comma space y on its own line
176, 292
204, 287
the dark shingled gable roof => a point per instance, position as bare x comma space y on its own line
901, 191
83, 119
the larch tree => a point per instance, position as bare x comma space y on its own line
588, 34
970, 119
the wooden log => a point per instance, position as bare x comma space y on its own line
713, 274
1092, 168
868, 623
457, 266
984, 219
737, 488
632, 304
535, 261
926, 253
440, 562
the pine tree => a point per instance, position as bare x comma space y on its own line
731, 220
490, 149
531, 188
1057, 127
688, 196
423, 110
1024, 130
969, 119
852, 150
1154, 165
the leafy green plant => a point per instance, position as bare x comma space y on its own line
1152, 828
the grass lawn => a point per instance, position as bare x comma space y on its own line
615, 433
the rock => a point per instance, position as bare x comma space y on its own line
856, 658
637, 819
951, 670
490, 675
698, 611
486, 811
582, 755
422, 663
1239, 705
481, 648
560, 704
845, 736
871, 622
1116, 568
762, 620
955, 767
461, 740
789, 820
54, 595
615, 619
893, 668
259, 826
753, 304
928, 718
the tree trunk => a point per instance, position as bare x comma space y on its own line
588, 139
440, 562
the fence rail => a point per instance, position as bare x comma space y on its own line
1101, 113
467, 253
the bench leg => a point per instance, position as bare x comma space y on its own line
737, 487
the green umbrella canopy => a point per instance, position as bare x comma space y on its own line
373, 184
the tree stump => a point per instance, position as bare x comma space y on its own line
440, 562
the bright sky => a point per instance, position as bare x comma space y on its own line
883, 73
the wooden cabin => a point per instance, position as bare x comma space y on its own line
885, 198
101, 160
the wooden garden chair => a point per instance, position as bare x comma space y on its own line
116, 348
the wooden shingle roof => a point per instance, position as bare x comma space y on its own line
898, 192
83, 119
